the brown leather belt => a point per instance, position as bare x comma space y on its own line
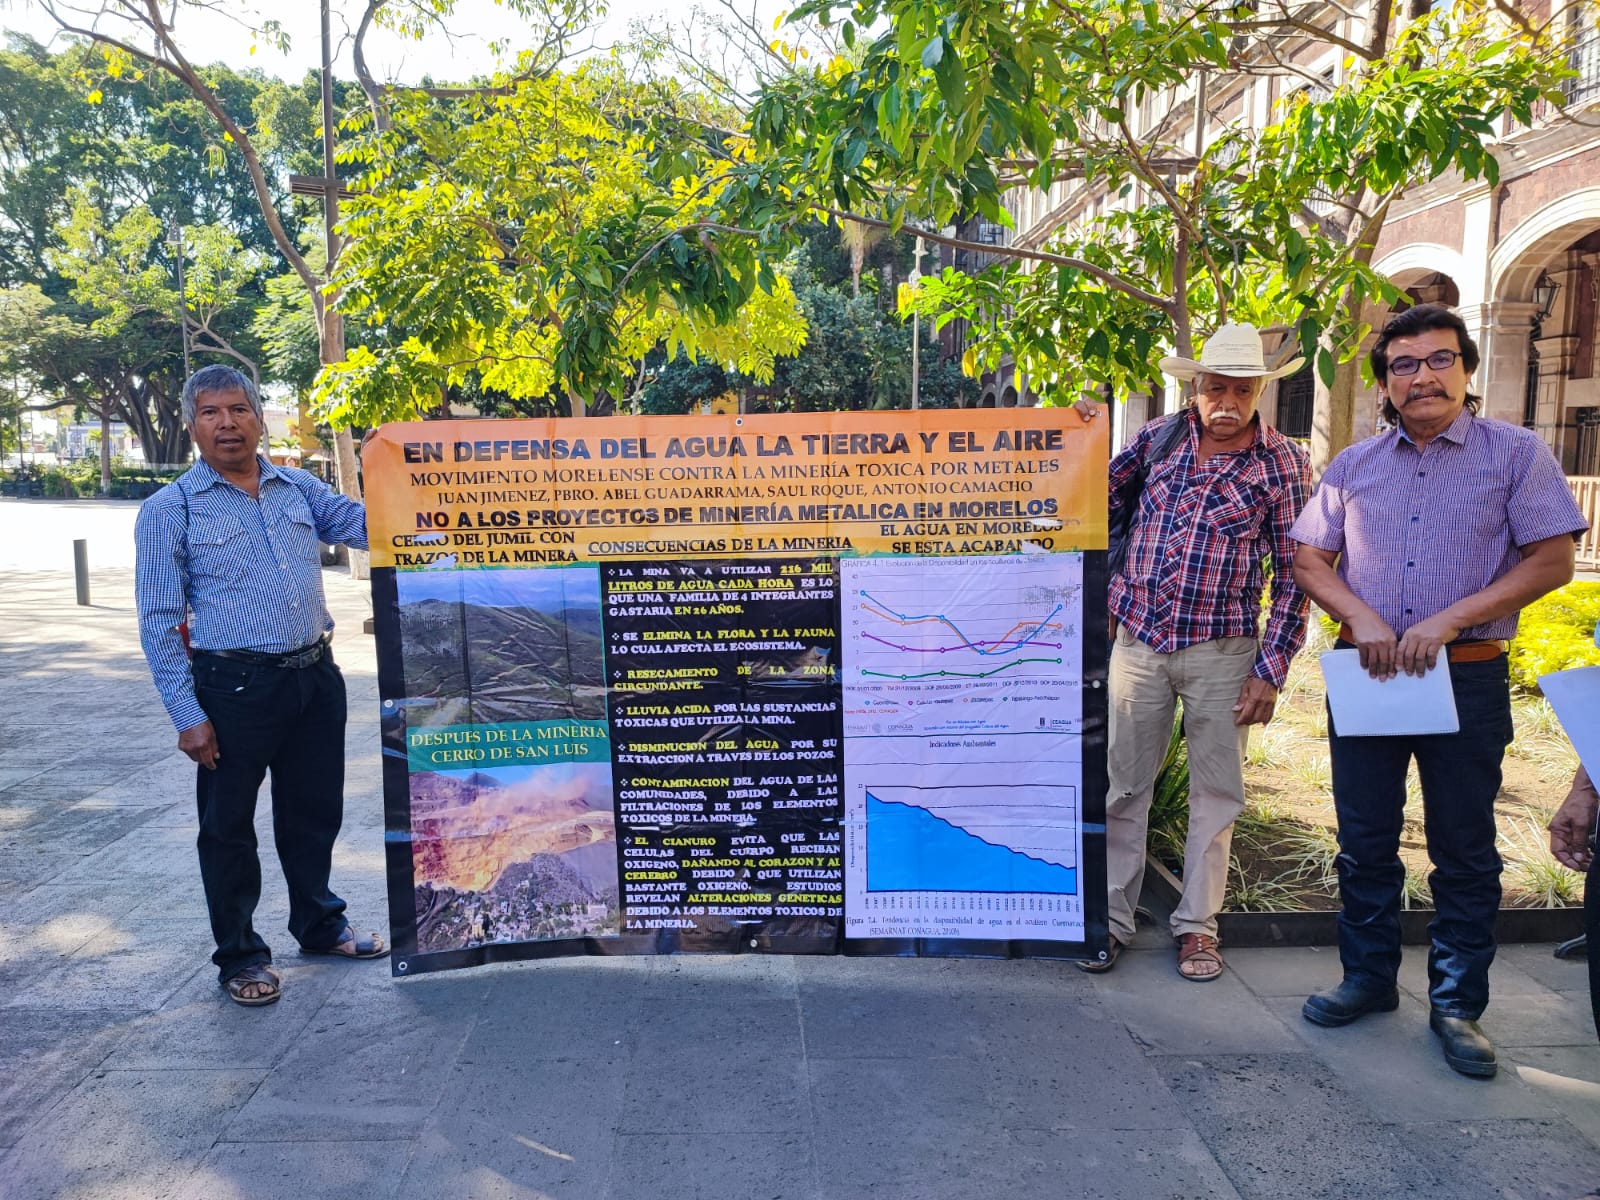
1470, 651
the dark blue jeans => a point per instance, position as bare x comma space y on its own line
291, 723
1591, 928
1460, 775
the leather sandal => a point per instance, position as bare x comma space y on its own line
1199, 949
1098, 966
349, 945
262, 976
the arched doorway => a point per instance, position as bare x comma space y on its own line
1544, 277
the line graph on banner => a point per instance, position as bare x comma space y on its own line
1019, 839
1008, 619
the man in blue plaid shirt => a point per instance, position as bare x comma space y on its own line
230, 553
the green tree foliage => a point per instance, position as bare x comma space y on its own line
286, 326
681, 385
124, 288
521, 237
92, 179
144, 141
858, 355
858, 348
936, 112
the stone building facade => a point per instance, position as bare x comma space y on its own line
1521, 262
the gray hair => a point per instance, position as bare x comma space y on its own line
217, 378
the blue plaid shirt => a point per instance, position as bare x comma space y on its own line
245, 574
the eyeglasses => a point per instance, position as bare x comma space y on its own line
1439, 360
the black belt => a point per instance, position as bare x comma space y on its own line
294, 660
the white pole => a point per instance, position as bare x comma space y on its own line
916, 334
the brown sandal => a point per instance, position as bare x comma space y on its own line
261, 976
350, 944
1097, 966
1200, 950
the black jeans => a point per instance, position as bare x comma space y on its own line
1460, 775
291, 723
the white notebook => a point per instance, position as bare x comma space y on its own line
1575, 695
1407, 704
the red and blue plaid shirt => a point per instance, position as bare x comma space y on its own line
1195, 568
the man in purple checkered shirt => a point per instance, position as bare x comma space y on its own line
1426, 542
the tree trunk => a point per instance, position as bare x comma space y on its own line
105, 447
1334, 409
344, 449
150, 443
1333, 414
162, 437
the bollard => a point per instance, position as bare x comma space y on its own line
80, 569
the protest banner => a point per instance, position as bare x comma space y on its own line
794, 683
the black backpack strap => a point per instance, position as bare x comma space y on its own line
1162, 443
1165, 442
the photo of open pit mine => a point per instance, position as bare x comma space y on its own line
513, 855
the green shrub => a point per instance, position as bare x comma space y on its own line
1555, 633
82, 478
53, 481
137, 483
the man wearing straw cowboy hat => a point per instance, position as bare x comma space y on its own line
1220, 492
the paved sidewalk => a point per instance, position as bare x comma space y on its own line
124, 1071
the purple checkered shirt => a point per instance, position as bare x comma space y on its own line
1418, 529
1194, 569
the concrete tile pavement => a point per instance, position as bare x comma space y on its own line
125, 1072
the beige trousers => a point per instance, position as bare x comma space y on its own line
1145, 687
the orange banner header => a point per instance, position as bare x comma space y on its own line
937, 482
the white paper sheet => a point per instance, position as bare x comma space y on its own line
1407, 704
1575, 695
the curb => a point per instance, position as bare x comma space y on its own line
1322, 928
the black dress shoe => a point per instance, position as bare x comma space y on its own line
1343, 1004
1466, 1048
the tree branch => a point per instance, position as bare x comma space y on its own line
1108, 278
373, 89
179, 68
1184, 218
1071, 167
221, 345
1315, 32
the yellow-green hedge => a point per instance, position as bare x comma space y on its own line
1556, 633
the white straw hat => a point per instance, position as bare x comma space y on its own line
1234, 349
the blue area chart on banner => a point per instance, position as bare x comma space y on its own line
962, 697
918, 845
